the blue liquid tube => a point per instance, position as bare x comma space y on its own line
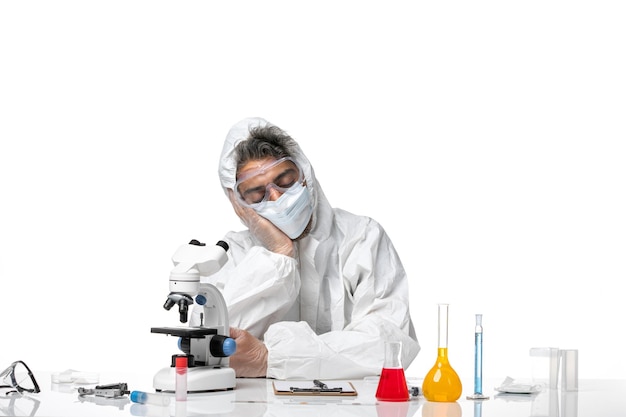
149, 398
478, 361
478, 355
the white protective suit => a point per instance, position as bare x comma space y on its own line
326, 313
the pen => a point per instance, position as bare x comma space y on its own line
320, 384
316, 390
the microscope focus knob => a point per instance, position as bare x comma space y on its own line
222, 346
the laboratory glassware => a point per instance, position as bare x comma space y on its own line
392, 384
569, 369
181, 378
478, 361
142, 397
442, 383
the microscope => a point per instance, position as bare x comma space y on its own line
207, 346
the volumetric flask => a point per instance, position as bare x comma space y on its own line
392, 384
442, 383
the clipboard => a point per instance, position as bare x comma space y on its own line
309, 388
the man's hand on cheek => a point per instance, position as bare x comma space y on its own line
271, 237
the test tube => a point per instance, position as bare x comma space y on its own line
478, 361
569, 369
181, 378
149, 398
478, 355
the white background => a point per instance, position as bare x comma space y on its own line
487, 137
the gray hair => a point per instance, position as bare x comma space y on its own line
265, 142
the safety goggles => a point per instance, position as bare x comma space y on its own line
254, 187
19, 377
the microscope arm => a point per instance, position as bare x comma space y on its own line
215, 311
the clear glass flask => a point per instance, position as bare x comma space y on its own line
392, 384
442, 383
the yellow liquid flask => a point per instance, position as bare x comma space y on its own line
442, 384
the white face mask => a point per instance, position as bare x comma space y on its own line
291, 212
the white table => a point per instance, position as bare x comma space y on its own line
255, 397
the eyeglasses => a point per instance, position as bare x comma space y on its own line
254, 187
19, 377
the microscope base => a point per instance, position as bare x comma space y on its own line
199, 379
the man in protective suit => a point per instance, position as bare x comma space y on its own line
312, 291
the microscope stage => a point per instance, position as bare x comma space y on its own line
194, 332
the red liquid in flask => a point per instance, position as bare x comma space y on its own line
392, 385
